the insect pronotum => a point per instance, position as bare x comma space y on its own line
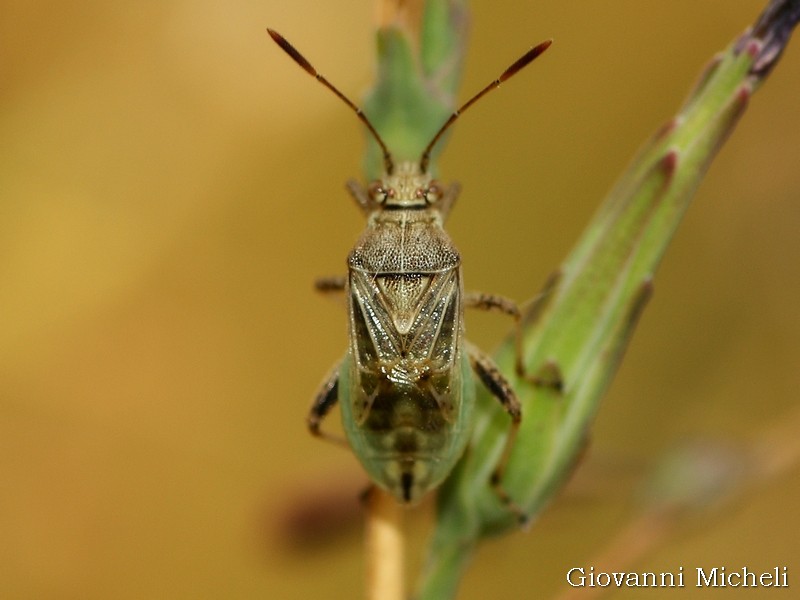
406, 385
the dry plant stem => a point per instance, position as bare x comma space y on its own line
384, 547
405, 14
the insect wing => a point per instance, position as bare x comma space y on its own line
405, 333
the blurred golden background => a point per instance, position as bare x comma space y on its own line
171, 184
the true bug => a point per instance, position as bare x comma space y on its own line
406, 386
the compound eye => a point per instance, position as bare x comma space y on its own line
379, 193
433, 193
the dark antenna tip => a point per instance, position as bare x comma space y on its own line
291, 51
512, 70
301, 60
524, 60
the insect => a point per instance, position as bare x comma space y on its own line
406, 386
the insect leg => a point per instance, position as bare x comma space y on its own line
449, 199
326, 397
549, 375
360, 195
492, 302
334, 284
498, 386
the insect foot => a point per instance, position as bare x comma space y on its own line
497, 385
496, 481
548, 375
333, 284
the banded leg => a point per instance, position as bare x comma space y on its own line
326, 398
549, 375
493, 302
334, 284
498, 386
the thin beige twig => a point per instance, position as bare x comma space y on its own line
384, 547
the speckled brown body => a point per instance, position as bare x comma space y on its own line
406, 386
406, 407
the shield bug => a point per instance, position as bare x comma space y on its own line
406, 386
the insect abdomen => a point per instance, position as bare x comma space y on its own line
405, 443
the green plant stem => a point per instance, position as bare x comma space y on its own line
420, 55
579, 328
420, 58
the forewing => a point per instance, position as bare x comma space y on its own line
413, 319
434, 339
437, 326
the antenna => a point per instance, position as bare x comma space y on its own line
388, 163
518, 65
